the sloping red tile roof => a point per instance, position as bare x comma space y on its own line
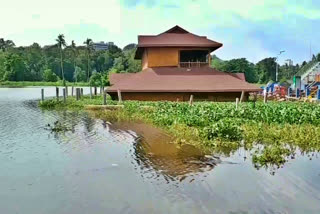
175, 37
239, 76
116, 77
166, 79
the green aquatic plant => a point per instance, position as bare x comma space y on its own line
278, 128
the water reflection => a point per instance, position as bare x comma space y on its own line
152, 150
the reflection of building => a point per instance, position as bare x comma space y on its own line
176, 65
100, 46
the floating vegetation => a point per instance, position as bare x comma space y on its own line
278, 129
57, 127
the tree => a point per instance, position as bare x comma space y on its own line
95, 79
14, 67
89, 47
318, 57
61, 44
74, 53
49, 76
6, 44
266, 70
79, 75
241, 65
130, 47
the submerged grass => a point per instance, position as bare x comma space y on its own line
272, 132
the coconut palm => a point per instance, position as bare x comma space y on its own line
89, 45
5, 44
61, 42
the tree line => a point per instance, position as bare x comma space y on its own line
63, 62
263, 71
82, 63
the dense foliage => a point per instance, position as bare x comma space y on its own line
63, 61
263, 71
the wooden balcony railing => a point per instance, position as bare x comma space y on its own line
193, 64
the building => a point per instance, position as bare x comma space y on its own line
100, 46
175, 65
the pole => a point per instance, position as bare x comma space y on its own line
72, 91
104, 98
77, 93
237, 102
119, 96
64, 95
265, 100
90, 92
42, 95
191, 99
57, 93
242, 96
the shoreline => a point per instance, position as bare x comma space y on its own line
272, 133
13, 84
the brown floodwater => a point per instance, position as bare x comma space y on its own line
95, 166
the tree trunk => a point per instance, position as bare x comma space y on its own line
62, 72
88, 67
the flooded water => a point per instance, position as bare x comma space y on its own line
94, 166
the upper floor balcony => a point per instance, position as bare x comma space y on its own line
194, 58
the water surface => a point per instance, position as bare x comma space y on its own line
99, 167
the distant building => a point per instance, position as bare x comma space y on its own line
100, 46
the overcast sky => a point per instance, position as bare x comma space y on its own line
253, 29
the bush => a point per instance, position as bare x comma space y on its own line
49, 76
95, 79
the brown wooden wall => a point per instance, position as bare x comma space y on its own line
163, 57
172, 96
159, 57
144, 60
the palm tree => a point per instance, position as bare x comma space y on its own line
88, 43
5, 44
61, 43
74, 53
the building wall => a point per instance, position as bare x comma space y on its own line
172, 96
163, 57
160, 57
144, 60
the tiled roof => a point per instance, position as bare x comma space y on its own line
175, 37
173, 79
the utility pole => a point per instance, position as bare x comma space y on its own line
277, 68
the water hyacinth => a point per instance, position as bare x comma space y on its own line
281, 127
